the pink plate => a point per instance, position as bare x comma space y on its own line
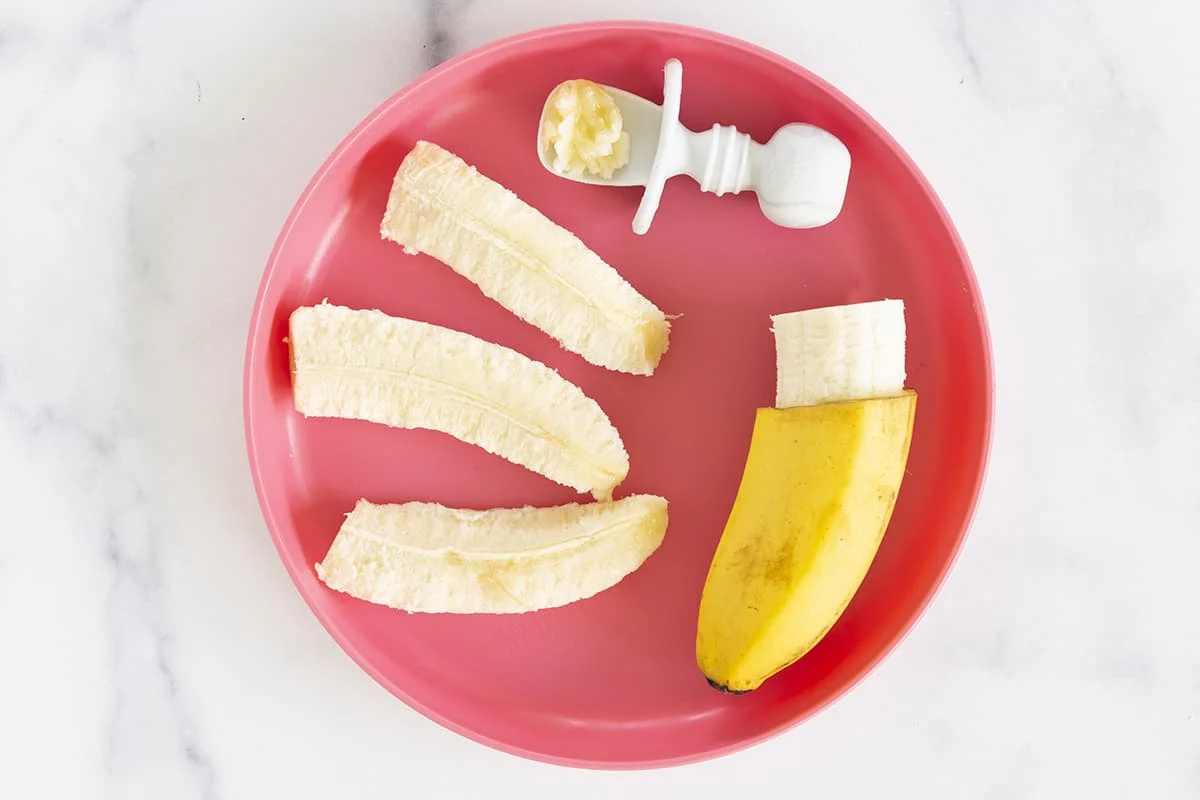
612, 681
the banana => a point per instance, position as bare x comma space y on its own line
818, 490
846, 352
424, 557
442, 206
582, 130
367, 365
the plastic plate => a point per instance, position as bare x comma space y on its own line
612, 681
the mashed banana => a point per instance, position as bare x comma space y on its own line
581, 131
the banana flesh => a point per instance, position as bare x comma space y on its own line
846, 352
424, 557
581, 129
367, 365
442, 206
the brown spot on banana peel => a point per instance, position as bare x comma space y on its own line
779, 568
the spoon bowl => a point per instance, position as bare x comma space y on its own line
641, 119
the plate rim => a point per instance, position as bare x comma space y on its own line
255, 342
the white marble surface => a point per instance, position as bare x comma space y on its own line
153, 646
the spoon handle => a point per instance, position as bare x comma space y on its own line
720, 160
800, 176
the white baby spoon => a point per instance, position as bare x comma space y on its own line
800, 175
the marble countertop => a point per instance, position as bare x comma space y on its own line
155, 648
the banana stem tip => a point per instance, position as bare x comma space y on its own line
725, 689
